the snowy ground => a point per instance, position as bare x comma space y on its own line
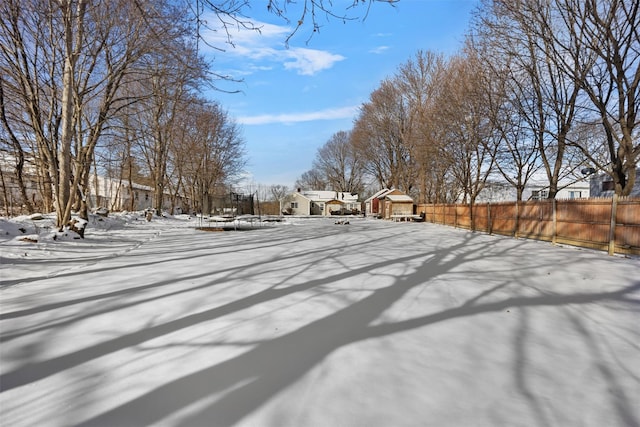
309, 323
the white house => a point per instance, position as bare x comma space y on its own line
567, 189
11, 197
322, 203
536, 189
118, 195
113, 194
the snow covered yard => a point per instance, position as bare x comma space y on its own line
309, 323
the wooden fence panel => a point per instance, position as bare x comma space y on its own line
627, 233
463, 216
536, 220
449, 212
584, 222
503, 218
482, 217
442, 213
580, 222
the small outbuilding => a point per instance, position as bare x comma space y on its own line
373, 205
398, 206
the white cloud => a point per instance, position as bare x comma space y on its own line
267, 46
379, 49
285, 118
242, 38
310, 61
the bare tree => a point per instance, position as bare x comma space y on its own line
280, 194
312, 180
507, 100
419, 81
381, 138
305, 15
207, 151
11, 144
338, 163
471, 140
120, 159
546, 97
599, 48
67, 61
31, 86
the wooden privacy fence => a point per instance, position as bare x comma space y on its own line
605, 224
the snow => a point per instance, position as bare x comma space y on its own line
311, 323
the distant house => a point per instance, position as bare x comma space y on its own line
11, 197
103, 192
574, 189
119, 195
536, 189
323, 203
601, 185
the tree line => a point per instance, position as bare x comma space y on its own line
540, 87
115, 87
109, 87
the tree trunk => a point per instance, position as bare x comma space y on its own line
64, 194
18, 151
63, 190
5, 196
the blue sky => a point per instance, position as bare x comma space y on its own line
294, 99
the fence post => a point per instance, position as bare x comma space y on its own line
517, 225
489, 228
612, 226
554, 226
455, 215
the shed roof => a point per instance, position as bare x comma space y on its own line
379, 194
399, 198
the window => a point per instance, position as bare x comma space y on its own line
539, 194
575, 194
294, 205
608, 186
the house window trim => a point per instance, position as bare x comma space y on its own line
608, 185
539, 194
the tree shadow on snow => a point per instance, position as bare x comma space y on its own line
242, 272
252, 378
34, 371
